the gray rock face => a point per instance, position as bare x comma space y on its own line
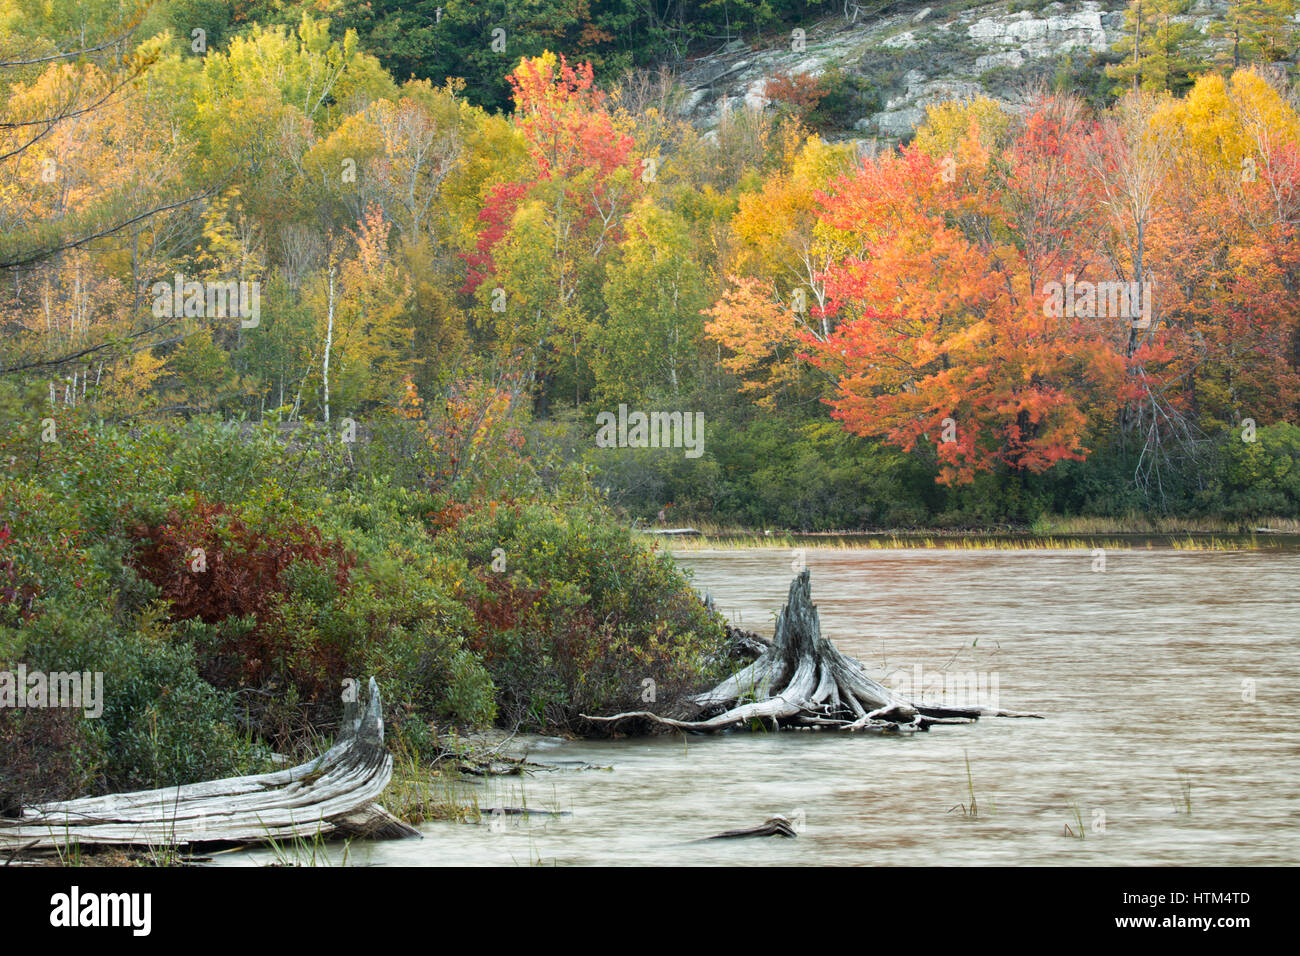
902, 41
920, 91
1009, 58
912, 58
1085, 28
895, 124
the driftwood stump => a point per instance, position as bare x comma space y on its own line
802, 680
333, 794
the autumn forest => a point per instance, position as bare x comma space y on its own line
344, 340
869, 328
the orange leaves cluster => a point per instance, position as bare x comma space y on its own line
799, 92
563, 116
937, 294
473, 433
576, 147
753, 328
940, 334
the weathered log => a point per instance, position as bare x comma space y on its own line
334, 793
801, 679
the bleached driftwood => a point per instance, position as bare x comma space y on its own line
802, 680
334, 793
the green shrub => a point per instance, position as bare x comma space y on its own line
846, 97
1262, 477
582, 617
161, 723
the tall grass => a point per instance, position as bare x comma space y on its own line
428, 790
1045, 526
974, 542
1077, 831
301, 851
971, 809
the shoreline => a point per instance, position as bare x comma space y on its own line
1261, 539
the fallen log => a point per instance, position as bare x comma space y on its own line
802, 680
333, 794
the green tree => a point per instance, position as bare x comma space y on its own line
1260, 30
650, 337
1159, 52
202, 379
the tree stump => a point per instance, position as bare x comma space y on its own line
802, 680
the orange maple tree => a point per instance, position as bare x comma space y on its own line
941, 335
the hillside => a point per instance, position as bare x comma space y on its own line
885, 70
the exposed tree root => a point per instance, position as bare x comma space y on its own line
801, 680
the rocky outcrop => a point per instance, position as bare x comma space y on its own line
1027, 35
912, 56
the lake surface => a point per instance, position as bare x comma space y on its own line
1170, 684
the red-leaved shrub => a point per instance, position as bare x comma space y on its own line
211, 564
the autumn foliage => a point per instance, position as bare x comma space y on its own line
800, 93
591, 246
212, 563
937, 318
930, 316
573, 144
16, 594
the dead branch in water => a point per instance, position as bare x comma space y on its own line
772, 826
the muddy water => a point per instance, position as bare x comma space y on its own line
1145, 672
